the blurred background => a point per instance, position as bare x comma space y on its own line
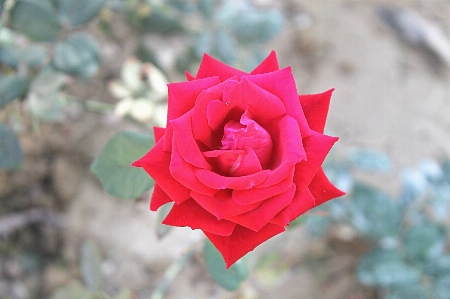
74, 74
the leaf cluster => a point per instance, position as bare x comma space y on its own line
409, 234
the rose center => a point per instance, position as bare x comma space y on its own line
248, 133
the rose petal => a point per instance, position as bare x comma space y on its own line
322, 189
156, 163
256, 194
235, 162
270, 64
248, 133
191, 214
210, 66
200, 127
216, 181
181, 99
315, 107
188, 75
159, 198
317, 147
302, 202
221, 205
282, 84
259, 217
187, 147
263, 105
158, 132
184, 173
242, 241
287, 150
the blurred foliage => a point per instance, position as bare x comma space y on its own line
409, 234
39, 48
219, 28
230, 279
113, 166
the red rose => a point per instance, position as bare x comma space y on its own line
241, 155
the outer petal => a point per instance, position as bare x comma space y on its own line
212, 67
156, 163
259, 217
181, 99
158, 132
191, 214
302, 202
322, 189
159, 198
242, 241
270, 64
315, 107
317, 147
188, 75
221, 205
282, 84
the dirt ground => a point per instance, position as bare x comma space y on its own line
389, 96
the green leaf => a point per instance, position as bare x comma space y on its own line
374, 213
2, 3
439, 266
161, 229
78, 12
425, 241
160, 22
77, 55
442, 287
225, 47
258, 26
206, 8
113, 166
12, 87
37, 19
45, 100
228, 279
90, 262
10, 150
385, 268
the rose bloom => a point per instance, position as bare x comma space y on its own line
241, 155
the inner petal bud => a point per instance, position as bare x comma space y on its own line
248, 133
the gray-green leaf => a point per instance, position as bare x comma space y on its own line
37, 19
228, 279
90, 262
78, 12
10, 150
113, 166
12, 87
385, 268
77, 55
